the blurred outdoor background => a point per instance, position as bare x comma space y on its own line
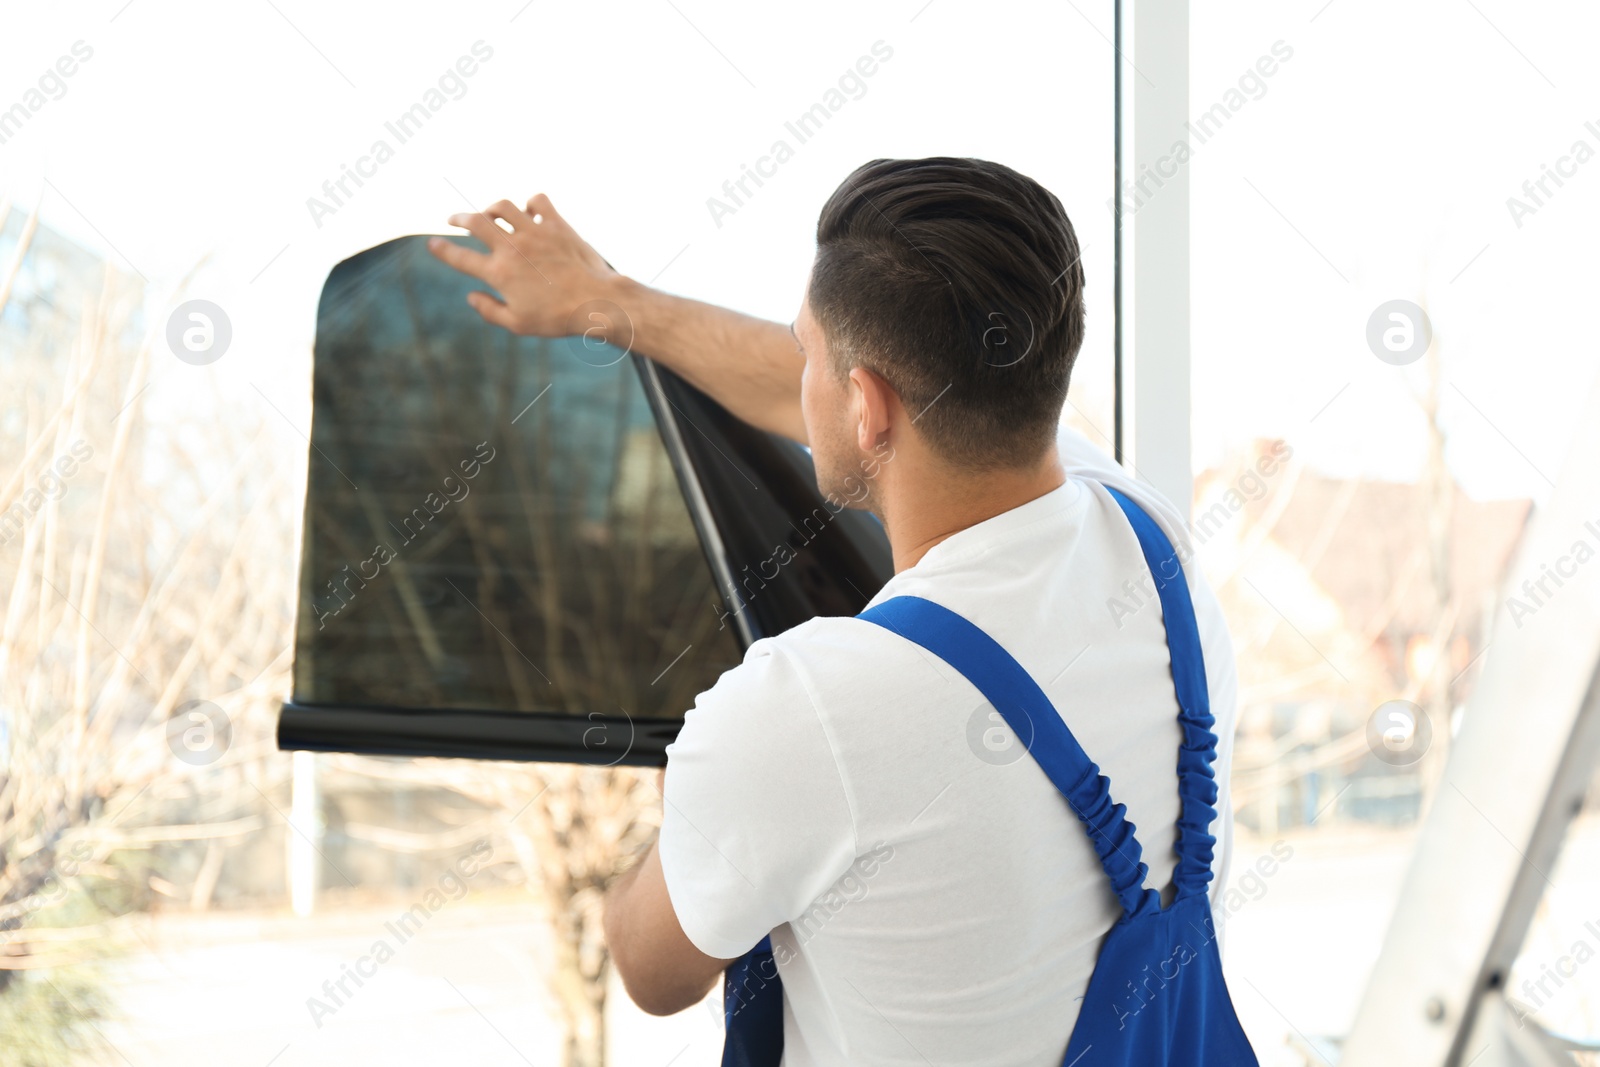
158, 910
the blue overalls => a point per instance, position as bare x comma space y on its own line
1157, 997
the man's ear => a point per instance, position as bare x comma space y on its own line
872, 402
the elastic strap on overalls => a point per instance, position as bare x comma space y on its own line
1197, 782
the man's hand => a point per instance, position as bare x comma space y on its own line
544, 271
546, 274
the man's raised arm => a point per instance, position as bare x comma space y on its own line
546, 273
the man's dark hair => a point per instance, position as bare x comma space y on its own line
959, 282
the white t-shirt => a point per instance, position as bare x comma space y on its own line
930, 895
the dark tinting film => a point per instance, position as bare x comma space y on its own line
492, 522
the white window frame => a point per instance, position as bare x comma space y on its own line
1152, 363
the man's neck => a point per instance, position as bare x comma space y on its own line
920, 514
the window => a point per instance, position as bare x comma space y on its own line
247, 882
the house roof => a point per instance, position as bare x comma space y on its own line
1366, 543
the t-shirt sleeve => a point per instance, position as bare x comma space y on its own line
756, 823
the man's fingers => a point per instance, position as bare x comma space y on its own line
540, 206
505, 209
461, 258
492, 310
480, 226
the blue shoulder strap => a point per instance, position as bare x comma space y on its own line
1197, 784
1035, 721
1031, 716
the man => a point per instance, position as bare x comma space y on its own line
928, 895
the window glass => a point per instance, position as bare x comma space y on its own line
219, 903
1387, 377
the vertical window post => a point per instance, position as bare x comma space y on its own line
1152, 343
